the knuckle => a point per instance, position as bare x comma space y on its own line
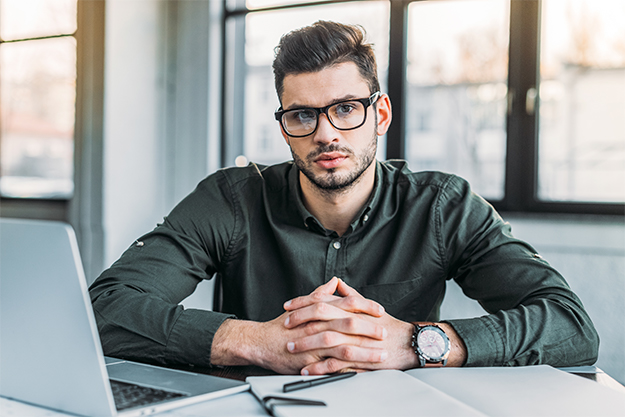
328, 338
351, 324
311, 328
333, 365
317, 296
374, 307
348, 353
351, 302
293, 317
321, 308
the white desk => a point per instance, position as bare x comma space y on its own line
243, 404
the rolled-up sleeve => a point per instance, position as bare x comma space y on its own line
534, 317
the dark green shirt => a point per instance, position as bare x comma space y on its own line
417, 231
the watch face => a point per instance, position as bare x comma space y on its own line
432, 343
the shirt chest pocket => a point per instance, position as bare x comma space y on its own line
410, 300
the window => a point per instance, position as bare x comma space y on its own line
37, 98
581, 154
456, 90
524, 98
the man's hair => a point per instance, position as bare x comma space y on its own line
322, 45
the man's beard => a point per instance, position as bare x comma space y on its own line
332, 181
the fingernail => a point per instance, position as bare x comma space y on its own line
287, 321
383, 356
305, 372
288, 303
290, 346
381, 309
384, 333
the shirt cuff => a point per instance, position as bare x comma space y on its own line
485, 347
191, 338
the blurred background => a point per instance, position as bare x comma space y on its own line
112, 111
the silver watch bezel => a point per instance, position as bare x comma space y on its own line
424, 357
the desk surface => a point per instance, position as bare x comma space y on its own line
244, 404
241, 372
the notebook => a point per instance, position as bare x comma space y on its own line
50, 351
521, 391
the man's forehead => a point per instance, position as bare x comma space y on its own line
316, 89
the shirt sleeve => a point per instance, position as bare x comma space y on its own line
534, 317
136, 301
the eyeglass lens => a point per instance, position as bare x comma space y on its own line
346, 115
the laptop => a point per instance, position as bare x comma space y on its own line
50, 351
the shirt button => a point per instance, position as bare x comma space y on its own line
337, 245
365, 218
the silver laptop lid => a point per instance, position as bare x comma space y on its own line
50, 352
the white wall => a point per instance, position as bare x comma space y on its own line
134, 161
158, 91
590, 253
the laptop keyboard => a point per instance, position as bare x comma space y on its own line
130, 395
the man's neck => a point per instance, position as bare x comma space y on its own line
336, 209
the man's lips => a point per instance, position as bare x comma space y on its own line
330, 159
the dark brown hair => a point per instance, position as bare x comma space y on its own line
322, 45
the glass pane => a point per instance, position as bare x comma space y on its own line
582, 101
263, 142
457, 86
21, 19
37, 101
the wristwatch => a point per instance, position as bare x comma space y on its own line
431, 344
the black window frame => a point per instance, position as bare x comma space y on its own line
36, 207
521, 170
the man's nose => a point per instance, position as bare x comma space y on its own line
325, 133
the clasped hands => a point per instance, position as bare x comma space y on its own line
327, 333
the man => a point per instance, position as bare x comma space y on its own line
336, 260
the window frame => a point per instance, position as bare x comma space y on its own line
34, 207
521, 169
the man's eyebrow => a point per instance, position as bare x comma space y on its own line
296, 105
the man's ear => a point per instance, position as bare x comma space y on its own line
385, 114
285, 136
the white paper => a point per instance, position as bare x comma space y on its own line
379, 393
525, 391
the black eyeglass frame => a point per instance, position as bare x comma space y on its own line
318, 110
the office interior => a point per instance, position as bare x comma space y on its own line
167, 92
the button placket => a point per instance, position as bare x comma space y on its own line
333, 257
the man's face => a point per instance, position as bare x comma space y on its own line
333, 159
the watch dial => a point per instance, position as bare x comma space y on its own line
431, 344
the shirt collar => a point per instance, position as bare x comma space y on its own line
310, 222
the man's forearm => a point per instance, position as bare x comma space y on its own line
135, 325
551, 332
230, 343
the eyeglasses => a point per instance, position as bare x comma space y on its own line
345, 115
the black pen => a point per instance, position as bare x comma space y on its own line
294, 386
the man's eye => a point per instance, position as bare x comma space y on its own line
302, 116
344, 109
